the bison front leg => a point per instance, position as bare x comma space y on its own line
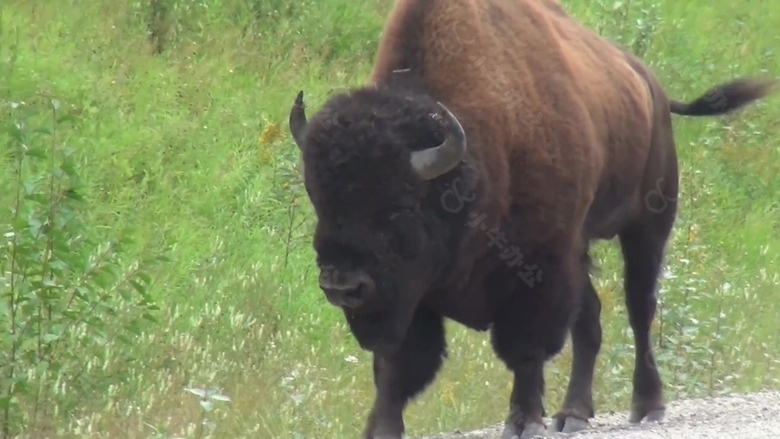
403, 375
525, 403
530, 328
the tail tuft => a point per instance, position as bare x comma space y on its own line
725, 98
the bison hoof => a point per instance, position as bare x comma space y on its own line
650, 416
526, 431
568, 424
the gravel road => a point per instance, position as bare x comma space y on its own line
751, 416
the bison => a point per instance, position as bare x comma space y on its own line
496, 140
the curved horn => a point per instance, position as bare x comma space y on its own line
433, 162
298, 122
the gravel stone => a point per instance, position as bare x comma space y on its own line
753, 416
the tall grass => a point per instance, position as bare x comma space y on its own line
157, 272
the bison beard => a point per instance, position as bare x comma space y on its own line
442, 110
382, 331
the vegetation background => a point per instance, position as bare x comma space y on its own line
156, 236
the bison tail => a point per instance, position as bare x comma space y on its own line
725, 98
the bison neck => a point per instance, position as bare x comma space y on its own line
467, 307
462, 292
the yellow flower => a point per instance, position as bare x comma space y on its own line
448, 396
607, 295
693, 235
271, 133
266, 157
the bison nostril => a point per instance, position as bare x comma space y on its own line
353, 298
345, 297
349, 290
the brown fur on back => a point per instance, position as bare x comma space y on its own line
585, 114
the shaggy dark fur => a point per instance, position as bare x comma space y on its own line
587, 153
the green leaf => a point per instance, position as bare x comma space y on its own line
42, 367
150, 317
73, 195
36, 152
82, 293
68, 167
19, 223
16, 133
29, 186
51, 283
66, 118
145, 278
138, 287
134, 328
124, 339
44, 130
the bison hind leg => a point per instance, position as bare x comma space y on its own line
643, 246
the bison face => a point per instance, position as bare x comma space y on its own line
376, 269
368, 157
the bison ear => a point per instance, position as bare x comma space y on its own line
433, 162
298, 122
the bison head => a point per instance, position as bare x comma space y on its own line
368, 158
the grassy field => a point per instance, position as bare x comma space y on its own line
157, 237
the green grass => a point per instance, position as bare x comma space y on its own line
186, 153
